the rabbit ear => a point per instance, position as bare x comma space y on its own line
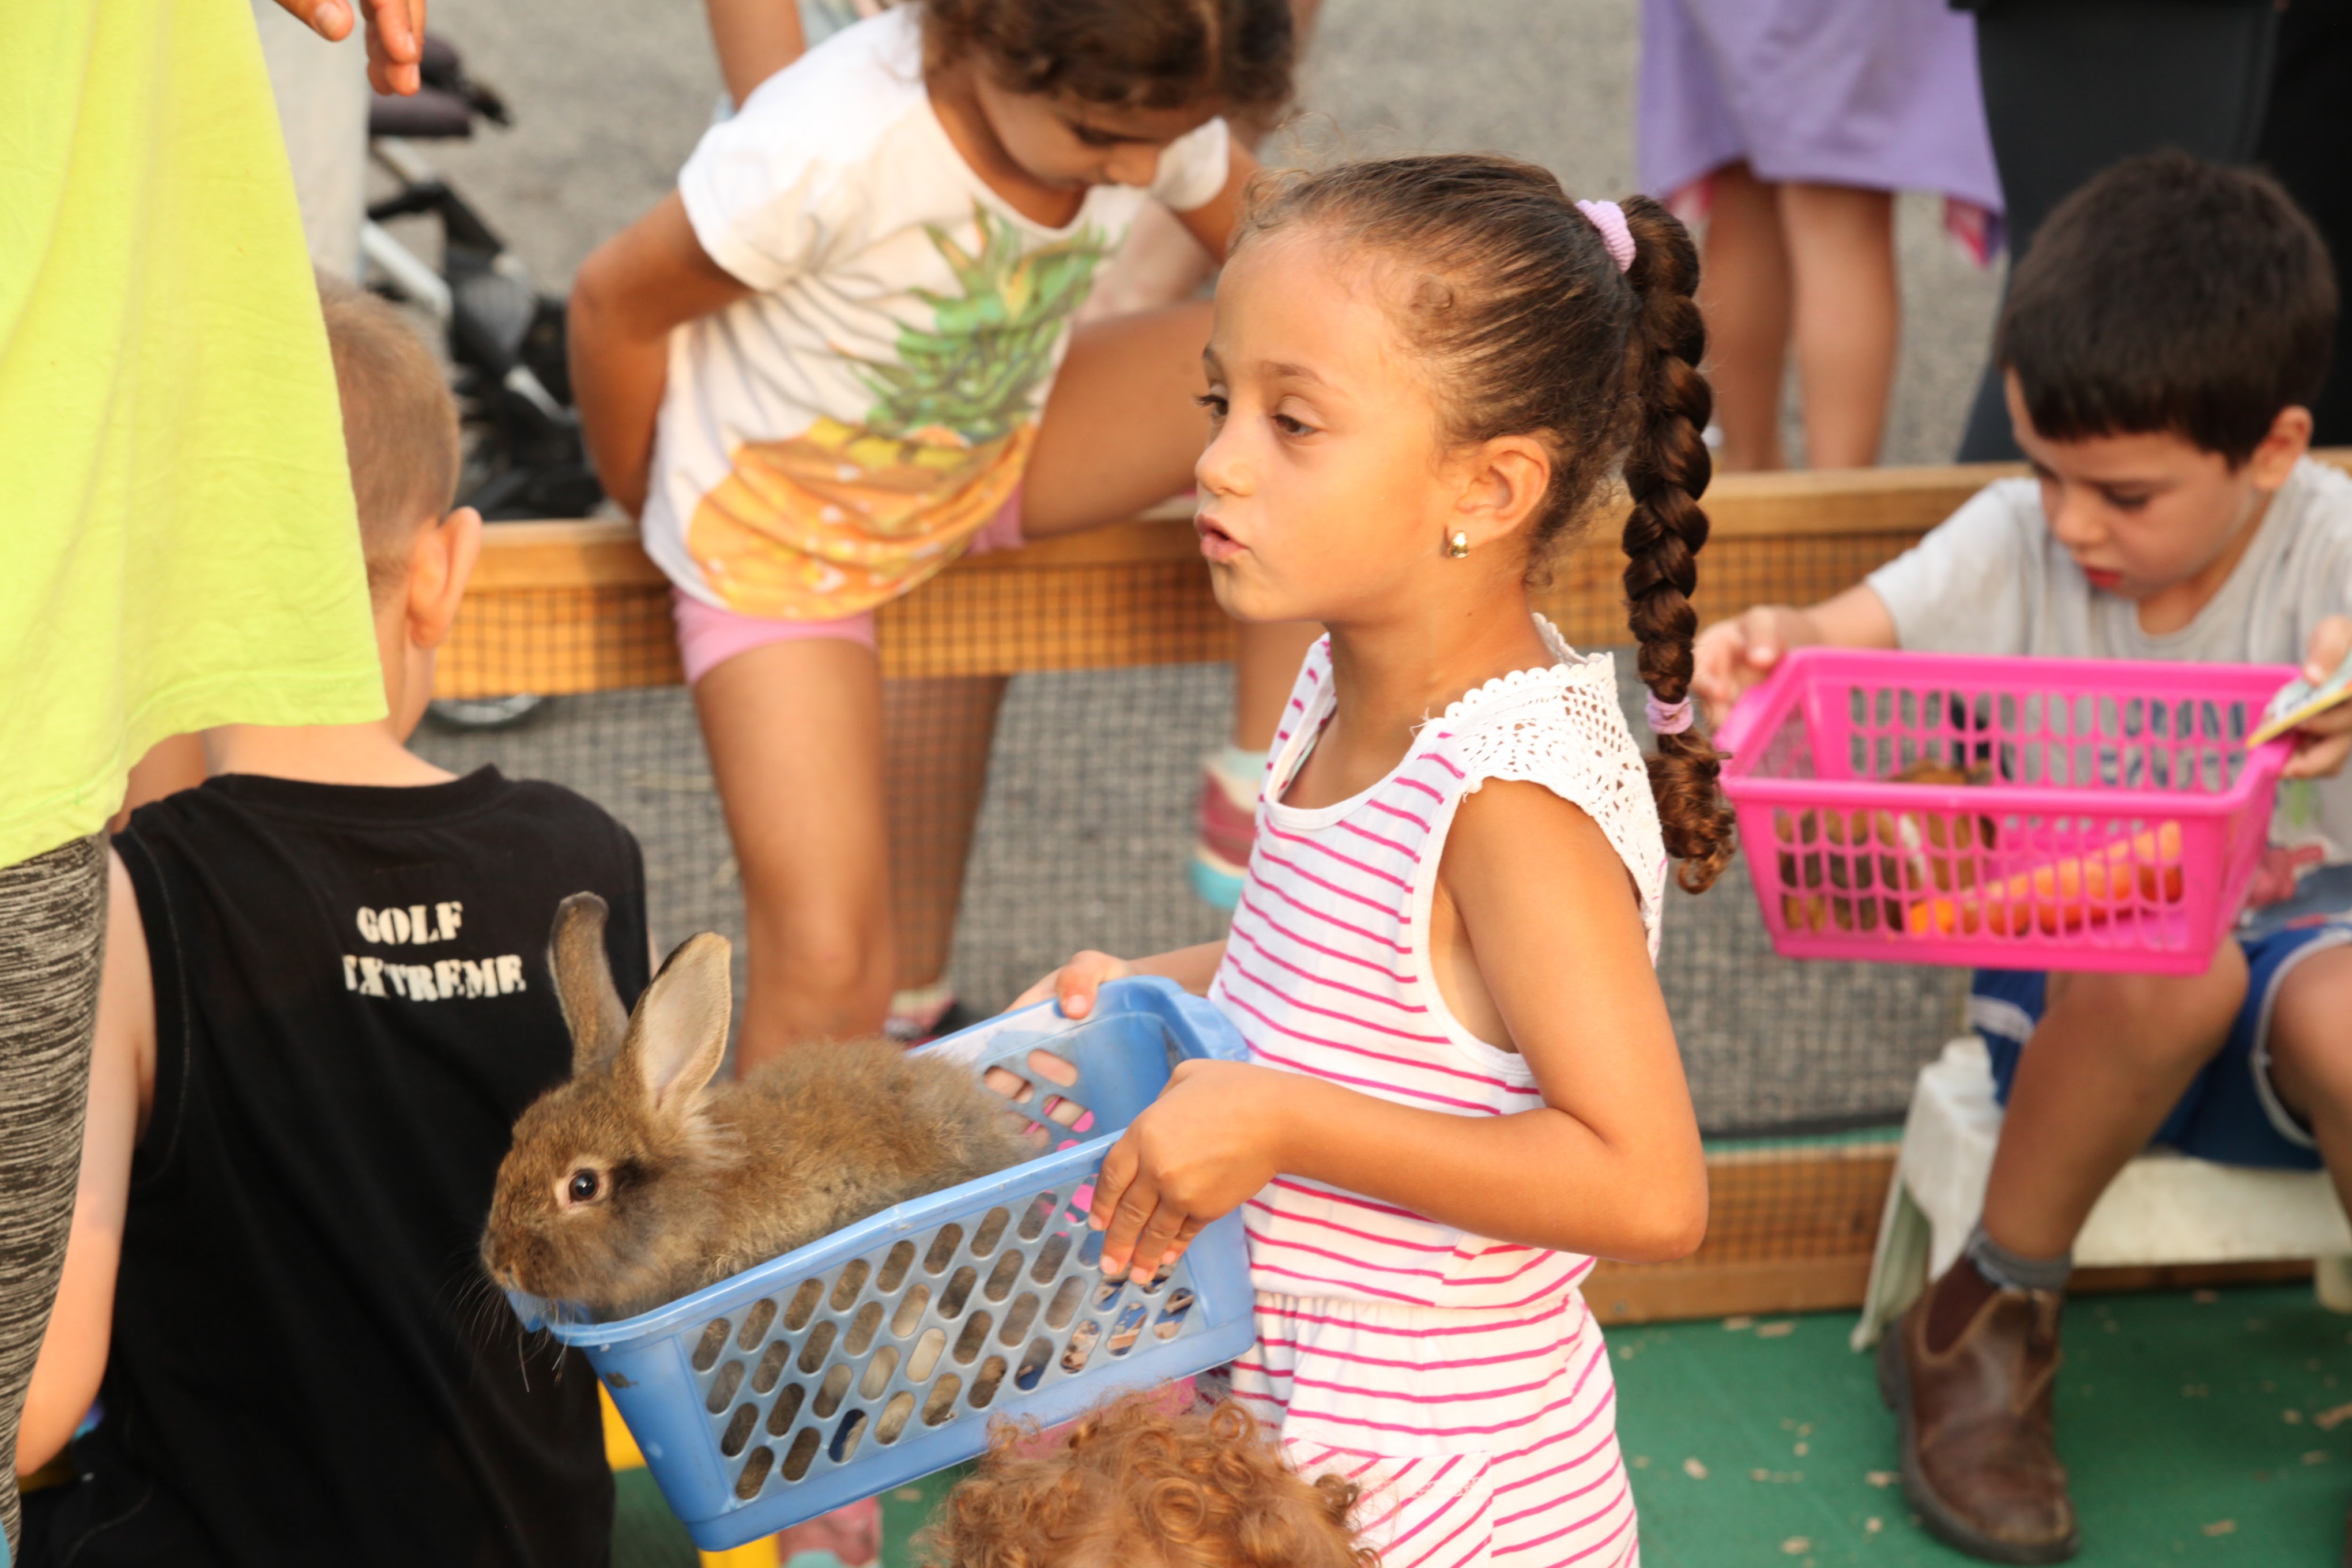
680, 1031
583, 983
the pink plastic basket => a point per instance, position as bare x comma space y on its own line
2111, 821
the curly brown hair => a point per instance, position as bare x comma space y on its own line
1527, 327
1133, 1485
1128, 54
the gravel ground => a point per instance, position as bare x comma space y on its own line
1085, 821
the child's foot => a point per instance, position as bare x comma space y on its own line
1228, 825
925, 1014
1980, 1462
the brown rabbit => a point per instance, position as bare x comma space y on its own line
639, 1181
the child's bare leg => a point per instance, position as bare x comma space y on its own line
1267, 656
1743, 291
1971, 1368
937, 732
1123, 432
1121, 429
794, 731
1849, 316
2311, 1056
2112, 1055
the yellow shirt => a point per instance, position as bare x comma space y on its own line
178, 547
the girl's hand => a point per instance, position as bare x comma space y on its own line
1732, 655
1209, 1143
1075, 983
2322, 740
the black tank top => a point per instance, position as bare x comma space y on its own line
352, 1005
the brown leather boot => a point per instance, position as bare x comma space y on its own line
1979, 1461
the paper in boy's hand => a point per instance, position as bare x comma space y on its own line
2298, 700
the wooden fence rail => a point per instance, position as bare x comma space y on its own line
559, 607
562, 608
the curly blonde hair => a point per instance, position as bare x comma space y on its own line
1132, 1484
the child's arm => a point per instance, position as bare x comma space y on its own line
1734, 655
754, 39
122, 1080
650, 278
1211, 223
1609, 1164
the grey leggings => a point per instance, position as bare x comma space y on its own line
52, 932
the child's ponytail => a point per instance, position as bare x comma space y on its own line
1527, 326
1666, 469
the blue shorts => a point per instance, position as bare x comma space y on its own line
2231, 1114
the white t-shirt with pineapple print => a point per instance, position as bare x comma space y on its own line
837, 437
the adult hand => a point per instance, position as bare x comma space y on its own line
396, 36
1734, 655
1075, 983
2322, 740
1209, 1143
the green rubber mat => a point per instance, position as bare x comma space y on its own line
2213, 1427
2200, 1428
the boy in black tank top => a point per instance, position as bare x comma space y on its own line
326, 1000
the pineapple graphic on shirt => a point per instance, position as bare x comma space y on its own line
843, 517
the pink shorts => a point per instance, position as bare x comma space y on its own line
709, 635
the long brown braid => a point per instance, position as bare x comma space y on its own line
1527, 327
1666, 468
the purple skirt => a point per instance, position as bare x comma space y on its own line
1878, 93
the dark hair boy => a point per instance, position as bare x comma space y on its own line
2162, 342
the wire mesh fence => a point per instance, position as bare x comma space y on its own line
1100, 660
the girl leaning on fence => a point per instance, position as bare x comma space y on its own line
842, 355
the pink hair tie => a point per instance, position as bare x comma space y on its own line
1610, 219
1666, 717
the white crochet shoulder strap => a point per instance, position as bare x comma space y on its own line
1561, 727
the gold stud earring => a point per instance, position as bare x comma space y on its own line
1458, 545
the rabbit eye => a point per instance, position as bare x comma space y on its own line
586, 1186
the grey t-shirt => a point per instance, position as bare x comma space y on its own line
1990, 579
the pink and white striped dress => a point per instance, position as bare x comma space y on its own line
1461, 1381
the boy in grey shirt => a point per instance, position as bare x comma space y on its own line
2161, 345
1996, 577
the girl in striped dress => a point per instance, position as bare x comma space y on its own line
1463, 1085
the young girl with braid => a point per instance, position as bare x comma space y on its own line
1462, 1084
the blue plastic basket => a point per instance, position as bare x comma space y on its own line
877, 1355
